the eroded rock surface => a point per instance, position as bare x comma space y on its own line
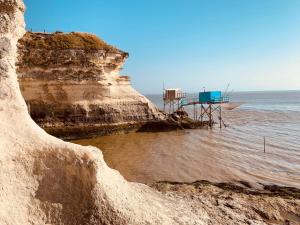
230, 204
72, 85
44, 180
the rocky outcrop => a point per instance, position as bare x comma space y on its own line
44, 180
72, 85
228, 203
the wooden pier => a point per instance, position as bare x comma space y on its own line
205, 108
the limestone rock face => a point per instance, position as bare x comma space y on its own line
44, 180
72, 84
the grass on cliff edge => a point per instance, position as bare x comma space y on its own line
59, 40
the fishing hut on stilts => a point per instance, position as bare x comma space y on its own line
206, 106
172, 98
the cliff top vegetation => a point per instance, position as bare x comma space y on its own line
59, 40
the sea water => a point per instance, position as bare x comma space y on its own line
230, 154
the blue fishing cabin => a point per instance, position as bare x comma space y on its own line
212, 97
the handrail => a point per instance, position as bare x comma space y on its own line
193, 101
178, 96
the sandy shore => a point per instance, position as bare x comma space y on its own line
228, 203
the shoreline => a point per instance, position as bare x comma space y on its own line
86, 131
229, 203
45, 180
243, 187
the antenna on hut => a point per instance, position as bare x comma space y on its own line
226, 90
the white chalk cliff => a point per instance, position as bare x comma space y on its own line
72, 85
44, 180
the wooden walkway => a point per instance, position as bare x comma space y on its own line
195, 101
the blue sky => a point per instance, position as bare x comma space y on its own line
251, 44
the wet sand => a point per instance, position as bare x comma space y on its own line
227, 203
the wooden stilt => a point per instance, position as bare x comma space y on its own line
201, 114
220, 116
194, 106
210, 115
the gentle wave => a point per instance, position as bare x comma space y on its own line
228, 154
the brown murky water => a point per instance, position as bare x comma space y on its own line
229, 154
